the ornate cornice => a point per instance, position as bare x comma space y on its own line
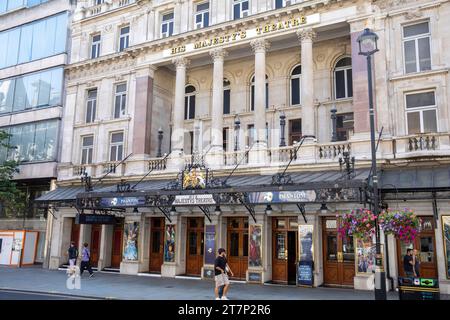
260, 45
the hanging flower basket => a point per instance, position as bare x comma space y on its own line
403, 224
359, 223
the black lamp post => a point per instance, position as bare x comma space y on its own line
334, 123
367, 47
237, 125
160, 138
282, 126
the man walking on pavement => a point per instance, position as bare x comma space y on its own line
85, 261
73, 254
221, 278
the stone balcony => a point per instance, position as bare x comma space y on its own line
106, 6
310, 154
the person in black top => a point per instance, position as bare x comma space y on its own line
408, 264
221, 278
73, 254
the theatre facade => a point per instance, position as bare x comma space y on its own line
195, 125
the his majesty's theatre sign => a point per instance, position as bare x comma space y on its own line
291, 23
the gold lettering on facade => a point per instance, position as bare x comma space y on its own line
271, 27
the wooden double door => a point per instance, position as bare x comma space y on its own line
284, 249
117, 244
338, 255
195, 246
96, 235
425, 244
156, 244
237, 243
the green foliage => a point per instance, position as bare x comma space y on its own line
12, 199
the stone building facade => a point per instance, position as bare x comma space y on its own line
240, 82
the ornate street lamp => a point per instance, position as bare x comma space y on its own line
282, 127
237, 125
367, 47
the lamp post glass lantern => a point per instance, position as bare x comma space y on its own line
368, 45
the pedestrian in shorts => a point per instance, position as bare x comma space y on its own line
221, 277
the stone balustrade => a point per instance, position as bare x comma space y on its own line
107, 5
427, 144
157, 164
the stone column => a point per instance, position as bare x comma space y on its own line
176, 158
104, 259
306, 37
215, 155
60, 241
258, 154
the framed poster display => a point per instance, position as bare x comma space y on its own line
365, 256
446, 240
305, 266
255, 242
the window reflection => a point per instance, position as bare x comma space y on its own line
331, 247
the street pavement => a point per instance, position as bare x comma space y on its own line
119, 286
24, 295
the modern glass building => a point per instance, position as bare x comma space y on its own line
34, 37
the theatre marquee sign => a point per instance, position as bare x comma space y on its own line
194, 199
232, 37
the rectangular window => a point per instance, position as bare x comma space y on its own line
226, 101
120, 100
250, 135
167, 25
33, 141
124, 38
421, 112
34, 90
240, 9
32, 41
283, 3
91, 105
116, 147
344, 126
295, 131
202, 15
87, 149
189, 107
95, 46
225, 138
416, 46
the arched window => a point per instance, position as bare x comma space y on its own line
343, 86
296, 80
226, 96
252, 99
189, 102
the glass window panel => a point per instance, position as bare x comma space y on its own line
16, 141
244, 5
410, 56
413, 122
293, 224
49, 37
297, 70
117, 137
56, 87
168, 16
429, 121
237, 11
3, 6
226, 101
278, 4
340, 84
331, 247
3, 49
198, 18
423, 99
113, 153
61, 34
253, 98
121, 88
156, 241
348, 249
39, 43
6, 95
13, 46
234, 244
119, 153
424, 54
245, 223
192, 107
281, 223
44, 88
206, 19
344, 62
14, 4
193, 242
40, 139
245, 245
125, 30
88, 141
27, 143
32, 89
281, 246
349, 83
416, 29
295, 91
20, 95
26, 39
203, 6
426, 249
